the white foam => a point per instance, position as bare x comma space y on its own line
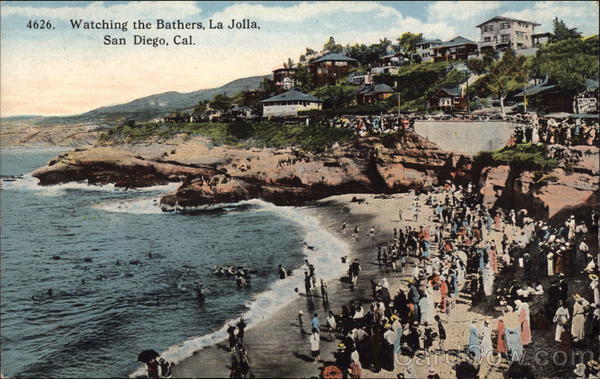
146, 205
328, 249
30, 183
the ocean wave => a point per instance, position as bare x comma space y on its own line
325, 254
30, 183
144, 205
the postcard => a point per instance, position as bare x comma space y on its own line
332, 189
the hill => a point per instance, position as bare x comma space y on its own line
150, 107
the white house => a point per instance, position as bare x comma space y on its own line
289, 103
499, 33
424, 49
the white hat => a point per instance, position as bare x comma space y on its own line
579, 370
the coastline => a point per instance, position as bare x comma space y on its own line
276, 345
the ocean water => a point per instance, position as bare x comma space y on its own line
90, 245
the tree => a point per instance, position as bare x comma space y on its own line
221, 102
567, 63
476, 65
303, 78
331, 46
200, 108
506, 75
288, 64
562, 32
268, 86
408, 42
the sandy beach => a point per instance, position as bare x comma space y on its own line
276, 346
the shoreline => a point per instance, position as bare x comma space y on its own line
306, 219
275, 344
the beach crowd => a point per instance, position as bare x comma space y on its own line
501, 260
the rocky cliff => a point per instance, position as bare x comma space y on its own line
215, 174
571, 187
212, 174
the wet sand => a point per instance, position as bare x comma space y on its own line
275, 345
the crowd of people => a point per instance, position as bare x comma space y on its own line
561, 131
463, 251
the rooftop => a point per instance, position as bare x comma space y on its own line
424, 41
334, 57
291, 95
454, 91
502, 18
457, 41
373, 89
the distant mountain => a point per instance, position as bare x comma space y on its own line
153, 106
20, 117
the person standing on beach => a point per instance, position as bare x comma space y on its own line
441, 332
314, 345
300, 321
354, 271
307, 284
372, 232
282, 272
231, 333
315, 323
241, 326
331, 325
344, 225
356, 233
324, 294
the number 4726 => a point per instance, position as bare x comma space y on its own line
39, 24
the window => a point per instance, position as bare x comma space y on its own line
505, 25
341, 63
488, 28
505, 37
520, 35
487, 39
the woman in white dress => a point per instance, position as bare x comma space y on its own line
577, 327
594, 286
550, 262
561, 318
488, 280
486, 340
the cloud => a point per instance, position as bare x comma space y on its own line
461, 10
99, 10
582, 15
303, 11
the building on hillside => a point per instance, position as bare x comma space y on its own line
289, 103
327, 69
424, 50
458, 48
448, 100
242, 111
394, 59
383, 70
373, 92
359, 78
549, 98
284, 78
500, 33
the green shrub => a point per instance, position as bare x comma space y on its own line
525, 156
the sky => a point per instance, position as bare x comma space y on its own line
64, 71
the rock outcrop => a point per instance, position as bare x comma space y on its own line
212, 175
564, 190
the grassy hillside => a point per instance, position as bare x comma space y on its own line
260, 133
